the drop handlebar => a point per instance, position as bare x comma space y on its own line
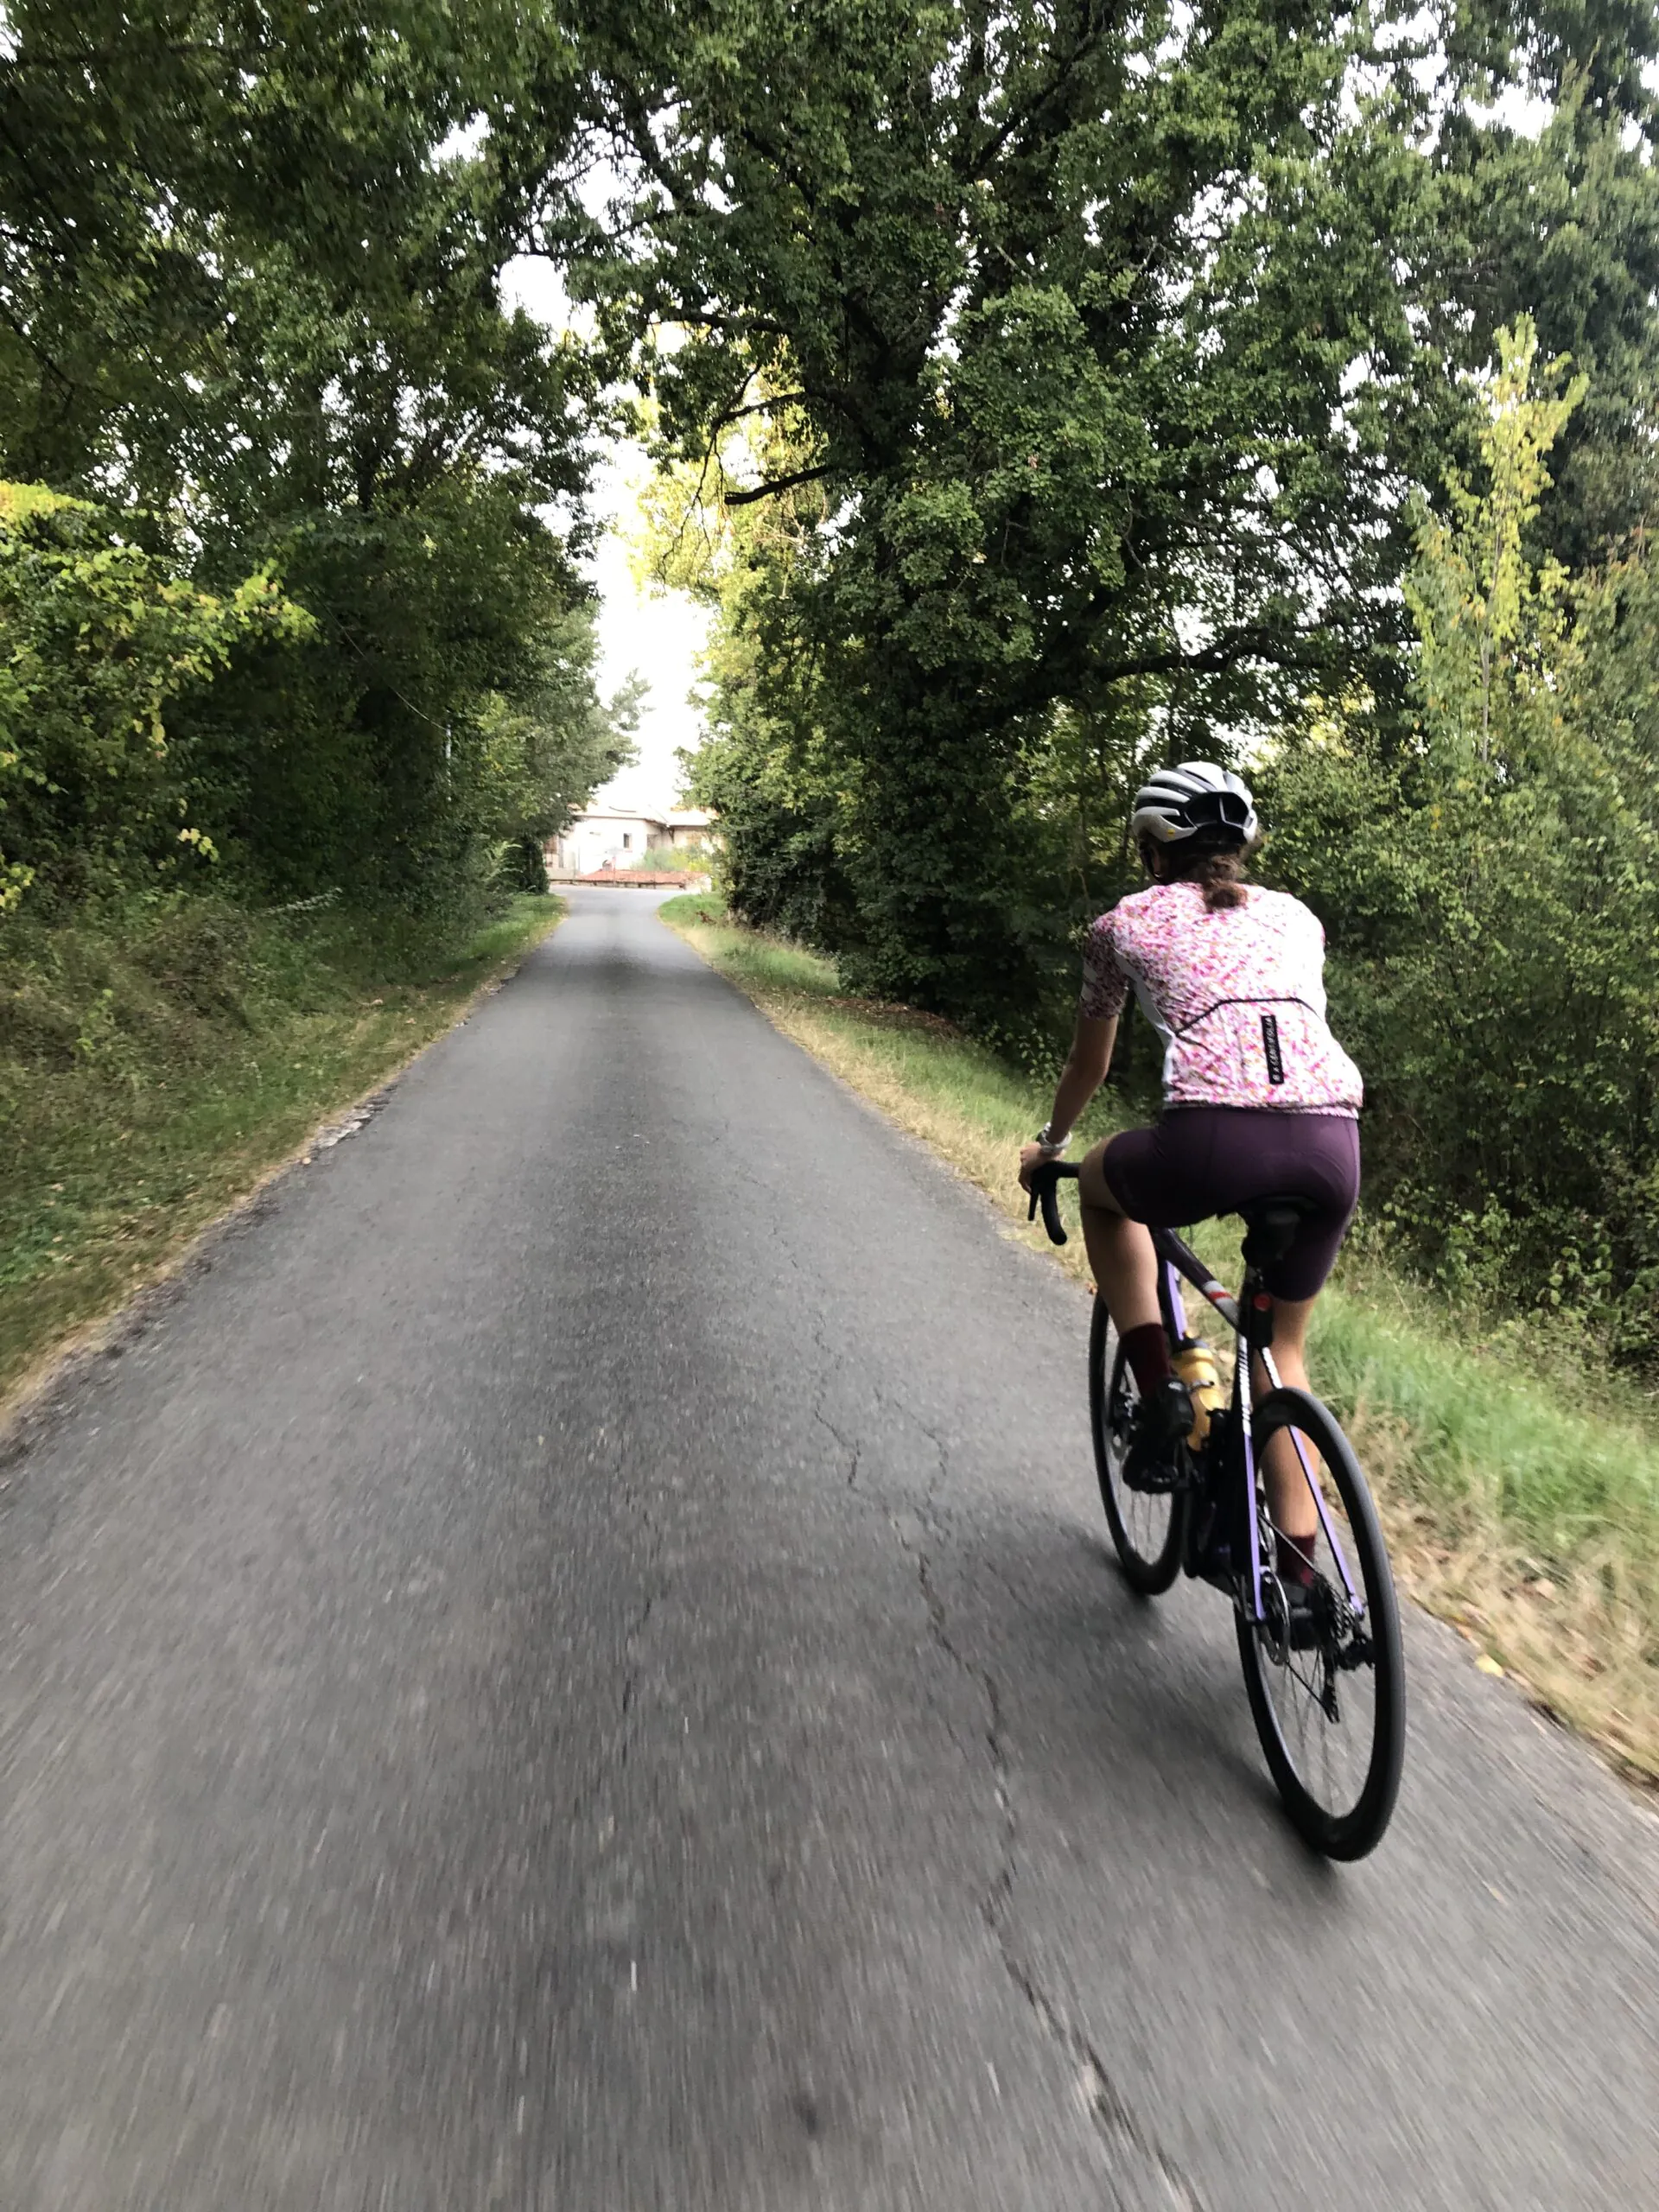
1045, 1178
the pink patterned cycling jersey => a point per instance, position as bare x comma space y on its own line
1236, 992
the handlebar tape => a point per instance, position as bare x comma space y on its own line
1051, 1214
1045, 1180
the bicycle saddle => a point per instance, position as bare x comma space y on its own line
1270, 1224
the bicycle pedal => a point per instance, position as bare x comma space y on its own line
1159, 1478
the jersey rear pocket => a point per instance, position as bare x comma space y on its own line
1275, 1051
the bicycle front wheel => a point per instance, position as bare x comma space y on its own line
1326, 1678
1148, 1527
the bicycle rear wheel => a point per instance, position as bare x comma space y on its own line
1148, 1527
1327, 1691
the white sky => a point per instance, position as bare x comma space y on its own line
659, 634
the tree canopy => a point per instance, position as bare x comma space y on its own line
249, 271
1039, 391
1110, 344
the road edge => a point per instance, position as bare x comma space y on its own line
31, 1403
1632, 1777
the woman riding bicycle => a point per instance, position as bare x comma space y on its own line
1260, 1101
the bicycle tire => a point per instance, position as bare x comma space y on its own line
1350, 1830
1150, 1568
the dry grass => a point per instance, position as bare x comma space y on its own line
1577, 1632
1516, 1507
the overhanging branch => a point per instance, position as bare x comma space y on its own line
775, 484
1258, 641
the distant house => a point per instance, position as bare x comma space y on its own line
601, 838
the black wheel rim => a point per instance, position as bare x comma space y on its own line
1329, 1690
1145, 1518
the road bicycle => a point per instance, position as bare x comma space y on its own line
1324, 1667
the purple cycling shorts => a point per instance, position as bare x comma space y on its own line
1200, 1161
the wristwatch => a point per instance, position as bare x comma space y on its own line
1052, 1144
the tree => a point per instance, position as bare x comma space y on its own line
1490, 893
1098, 351
542, 754
99, 640
1492, 627
1563, 226
249, 275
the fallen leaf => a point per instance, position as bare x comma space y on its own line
1487, 1664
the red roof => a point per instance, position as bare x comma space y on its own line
640, 875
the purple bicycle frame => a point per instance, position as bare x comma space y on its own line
1180, 1260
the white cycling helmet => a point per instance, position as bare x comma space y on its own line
1197, 800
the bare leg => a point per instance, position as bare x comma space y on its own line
1119, 1251
1289, 1499
1125, 1271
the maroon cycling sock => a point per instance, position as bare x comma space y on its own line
1294, 1562
1146, 1350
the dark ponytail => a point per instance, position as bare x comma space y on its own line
1222, 875
1219, 869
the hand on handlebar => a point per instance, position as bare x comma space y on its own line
1031, 1155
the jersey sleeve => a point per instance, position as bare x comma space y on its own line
1105, 985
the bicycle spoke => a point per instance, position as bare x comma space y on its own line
1147, 1527
1330, 1717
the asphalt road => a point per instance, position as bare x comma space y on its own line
571, 1665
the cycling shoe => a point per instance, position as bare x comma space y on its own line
1156, 1460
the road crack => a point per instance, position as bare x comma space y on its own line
631, 1637
1124, 2136
658, 1585
837, 1361
1115, 2122
1108, 2108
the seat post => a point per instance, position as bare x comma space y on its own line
1270, 1226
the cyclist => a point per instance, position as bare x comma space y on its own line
1259, 1101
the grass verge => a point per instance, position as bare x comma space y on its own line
156, 1065
1518, 1505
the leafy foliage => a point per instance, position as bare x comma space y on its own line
249, 267
1491, 892
1109, 343
97, 637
